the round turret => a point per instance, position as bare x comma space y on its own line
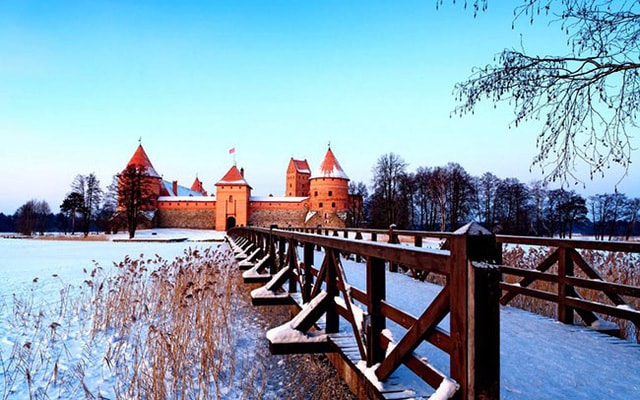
329, 189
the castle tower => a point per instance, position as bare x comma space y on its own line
329, 191
298, 173
232, 200
152, 181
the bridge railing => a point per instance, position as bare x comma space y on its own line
469, 297
576, 286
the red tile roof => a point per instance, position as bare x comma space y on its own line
197, 186
301, 166
329, 168
140, 158
232, 177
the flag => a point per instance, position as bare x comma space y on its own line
232, 150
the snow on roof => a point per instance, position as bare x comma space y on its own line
302, 166
182, 191
278, 199
233, 177
329, 168
140, 158
200, 198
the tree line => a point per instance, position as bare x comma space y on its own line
87, 207
446, 197
439, 198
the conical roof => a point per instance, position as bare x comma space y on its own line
329, 168
197, 186
232, 177
140, 158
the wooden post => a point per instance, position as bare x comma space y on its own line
273, 268
475, 313
332, 319
358, 237
319, 232
393, 238
459, 324
417, 241
374, 236
281, 247
293, 265
376, 293
565, 268
486, 330
308, 278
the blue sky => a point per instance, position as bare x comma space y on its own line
81, 81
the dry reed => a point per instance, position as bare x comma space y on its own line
156, 329
617, 267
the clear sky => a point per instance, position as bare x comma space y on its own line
82, 81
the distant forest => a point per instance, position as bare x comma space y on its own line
430, 198
447, 197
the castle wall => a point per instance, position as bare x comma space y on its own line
180, 213
194, 218
282, 213
281, 217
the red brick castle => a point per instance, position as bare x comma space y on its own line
311, 199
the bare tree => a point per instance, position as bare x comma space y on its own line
487, 186
461, 195
136, 194
87, 188
586, 99
513, 206
358, 194
387, 201
633, 207
32, 217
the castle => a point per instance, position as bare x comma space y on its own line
311, 199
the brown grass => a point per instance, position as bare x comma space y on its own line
92, 237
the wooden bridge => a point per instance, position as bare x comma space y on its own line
461, 320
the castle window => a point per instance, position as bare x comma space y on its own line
320, 205
330, 193
315, 193
230, 198
333, 205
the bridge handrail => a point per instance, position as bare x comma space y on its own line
470, 298
564, 255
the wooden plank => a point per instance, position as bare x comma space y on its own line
565, 268
459, 358
593, 274
419, 366
436, 311
626, 247
438, 337
538, 294
526, 281
284, 300
376, 289
300, 348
